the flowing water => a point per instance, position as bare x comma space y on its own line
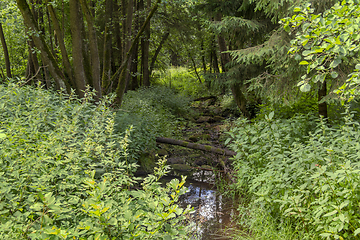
213, 213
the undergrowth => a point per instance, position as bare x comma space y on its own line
302, 173
153, 112
65, 173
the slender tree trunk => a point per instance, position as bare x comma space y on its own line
134, 84
203, 55
6, 52
107, 56
121, 82
42, 46
128, 28
60, 41
94, 51
158, 49
77, 41
145, 49
322, 92
214, 57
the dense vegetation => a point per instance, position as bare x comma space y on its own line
66, 173
87, 86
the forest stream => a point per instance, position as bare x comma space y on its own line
213, 213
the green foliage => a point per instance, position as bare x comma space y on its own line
64, 173
15, 37
182, 80
302, 173
153, 112
305, 104
324, 42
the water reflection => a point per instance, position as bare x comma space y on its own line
212, 213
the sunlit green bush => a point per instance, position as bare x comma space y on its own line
308, 174
64, 174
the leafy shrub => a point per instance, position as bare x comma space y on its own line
303, 173
153, 112
305, 104
64, 174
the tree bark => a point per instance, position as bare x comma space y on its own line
107, 56
94, 51
121, 82
60, 41
157, 51
145, 49
79, 70
6, 52
42, 46
128, 36
196, 146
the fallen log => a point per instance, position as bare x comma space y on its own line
205, 98
197, 146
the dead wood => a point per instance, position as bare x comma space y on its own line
197, 146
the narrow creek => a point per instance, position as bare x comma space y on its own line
213, 213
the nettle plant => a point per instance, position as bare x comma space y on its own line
303, 173
327, 44
65, 173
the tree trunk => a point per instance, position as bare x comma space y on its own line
145, 49
6, 52
79, 70
94, 51
42, 46
60, 41
203, 55
158, 49
121, 82
134, 84
206, 148
322, 92
107, 56
128, 35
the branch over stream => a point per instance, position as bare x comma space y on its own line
197, 146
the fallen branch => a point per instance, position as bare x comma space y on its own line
205, 98
197, 146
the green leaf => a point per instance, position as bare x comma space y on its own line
336, 62
357, 231
325, 235
342, 217
330, 213
334, 74
271, 115
304, 63
2, 135
307, 52
305, 87
320, 78
297, 57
